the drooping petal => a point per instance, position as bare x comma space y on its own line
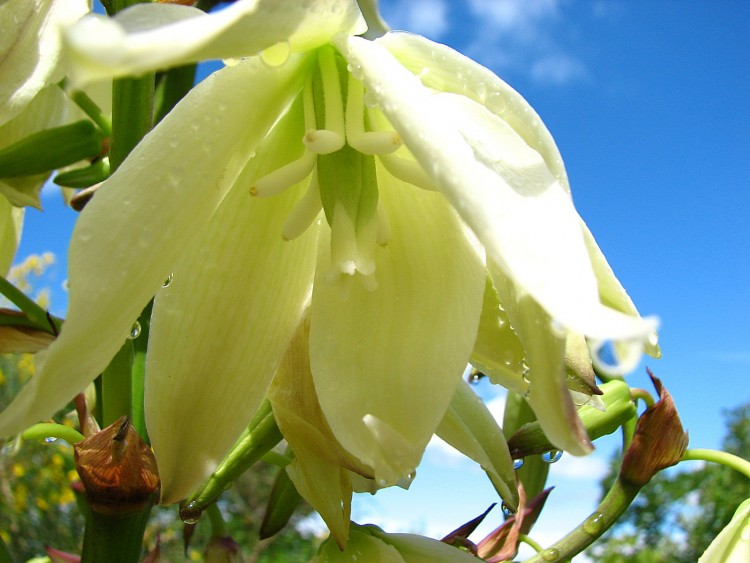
318, 470
11, 223
548, 393
469, 426
141, 221
502, 187
149, 37
387, 361
446, 70
30, 46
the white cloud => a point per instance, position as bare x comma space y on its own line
588, 468
557, 68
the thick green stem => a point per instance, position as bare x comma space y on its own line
116, 394
717, 456
115, 539
606, 514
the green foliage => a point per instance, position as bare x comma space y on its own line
678, 513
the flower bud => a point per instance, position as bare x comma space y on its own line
117, 469
659, 440
222, 550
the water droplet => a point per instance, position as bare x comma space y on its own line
168, 281
551, 554
135, 331
551, 456
370, 100
190, 513
594, 524
518, 463
507, 510
50, 440
276, 55
65, 285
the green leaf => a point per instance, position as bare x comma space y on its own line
51, 149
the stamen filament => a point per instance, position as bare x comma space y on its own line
407, 170
284, 177
334, 107
308, 106
366, 142
304, 212
384, 226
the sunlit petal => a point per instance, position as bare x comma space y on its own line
387, 361
137, 227
155, 36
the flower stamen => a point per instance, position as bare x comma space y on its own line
407, 170
366, 142
284, 177
304, 212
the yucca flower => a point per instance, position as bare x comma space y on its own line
396, 189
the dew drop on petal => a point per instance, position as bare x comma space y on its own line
50, 440
551, 456
550, 554
507, 510
135, 331
594, 524
168, 281
276, 55
517, 463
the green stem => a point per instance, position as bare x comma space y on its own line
718, 456
638, 393
5, 556
172, 87
33, 311
90, 108
530, 542
277, 459
51, 430
115, 539
606, 514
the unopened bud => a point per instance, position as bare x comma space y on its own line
117, 469
222, 550
659, 440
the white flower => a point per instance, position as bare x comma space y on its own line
441, 193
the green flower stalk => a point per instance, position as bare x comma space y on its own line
360, 180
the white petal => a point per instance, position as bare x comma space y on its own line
501, 187
137, 227
148, 37
11, 223
386, 362
446, 70
548, 393
30, 48
219, 332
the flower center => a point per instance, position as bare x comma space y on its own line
339, 160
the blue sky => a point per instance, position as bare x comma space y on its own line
648, 102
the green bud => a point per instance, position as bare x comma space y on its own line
530, 438
84, 177
51, 149
282, 503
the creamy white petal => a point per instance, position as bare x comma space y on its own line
137, 227
148, 37
11, 223
386, 362
501, 187
445, 70
221, 327
30, 48
548, 393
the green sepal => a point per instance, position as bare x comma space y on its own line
51, 149
530, 438
282, 502
97, 172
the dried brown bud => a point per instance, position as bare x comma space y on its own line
117, 469
659, 441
